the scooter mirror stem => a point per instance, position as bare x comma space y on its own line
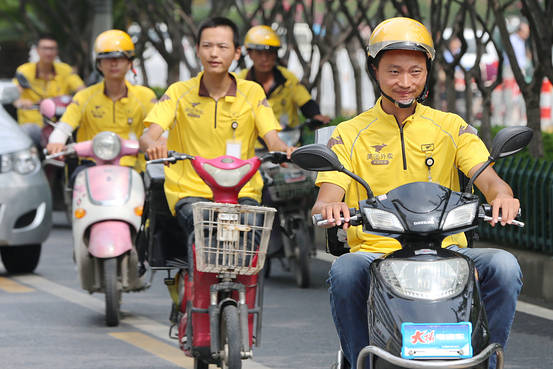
370, 195
468, 189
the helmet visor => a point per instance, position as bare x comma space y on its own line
251, 46
115, 54
377, 47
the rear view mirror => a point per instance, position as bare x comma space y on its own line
509, 141
8, 92
316, 157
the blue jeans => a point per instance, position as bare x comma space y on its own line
500, 282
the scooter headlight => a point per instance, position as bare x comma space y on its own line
106, 145
226, 177
460, 216
383, 220
23, 162
290, 137
425, 280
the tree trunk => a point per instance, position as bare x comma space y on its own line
468, 97
450, 92
533, 121
337, 86
485, 125
357, 76
173, 70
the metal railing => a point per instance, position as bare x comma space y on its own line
532, 183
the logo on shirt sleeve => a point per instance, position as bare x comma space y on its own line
164, 97
264, 102
468, 129
334, 141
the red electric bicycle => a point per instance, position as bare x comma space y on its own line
217, 292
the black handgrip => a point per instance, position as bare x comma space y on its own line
487, 209
275, 157
313, 124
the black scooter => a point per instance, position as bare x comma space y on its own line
424, 307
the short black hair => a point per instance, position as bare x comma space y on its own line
46, 36
218, 22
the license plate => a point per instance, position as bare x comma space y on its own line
436, 340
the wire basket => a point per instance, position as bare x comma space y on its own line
291, 184
231, 237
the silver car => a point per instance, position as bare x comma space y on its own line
25, 197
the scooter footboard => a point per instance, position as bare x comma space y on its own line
109, 239
484, 355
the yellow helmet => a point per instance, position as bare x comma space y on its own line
262, 38
401, 34
114, 43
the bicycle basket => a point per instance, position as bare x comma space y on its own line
231, 237
291, 184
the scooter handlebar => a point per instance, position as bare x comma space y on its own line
485, 214
275, 157
68, 151
172, 157
354, 219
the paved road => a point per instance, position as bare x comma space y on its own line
48, 322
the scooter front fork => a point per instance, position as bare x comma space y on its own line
215, 308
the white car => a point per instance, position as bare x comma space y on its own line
25, 197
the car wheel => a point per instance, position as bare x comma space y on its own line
20, 259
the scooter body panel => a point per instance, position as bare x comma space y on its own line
387, 310
109, 239
94, 191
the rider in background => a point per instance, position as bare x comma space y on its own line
210, 115
47, 77
285, 93
113, 105
388, 146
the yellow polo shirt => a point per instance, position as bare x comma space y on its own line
65, 82
93, 112
286, 96
199, 125
373, 146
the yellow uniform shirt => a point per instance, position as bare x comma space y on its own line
373, 146
286, 96
93, 112
65, 82
199, 125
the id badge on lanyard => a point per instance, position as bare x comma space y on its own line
234, 146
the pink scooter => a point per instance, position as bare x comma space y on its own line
107, 209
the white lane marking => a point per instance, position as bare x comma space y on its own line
85, 300
535, 310
523, 307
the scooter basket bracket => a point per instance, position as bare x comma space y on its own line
231, 238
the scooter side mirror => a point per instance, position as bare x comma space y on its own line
506, 142
48, 108
22, 80
320, 158
316, 157
510, 141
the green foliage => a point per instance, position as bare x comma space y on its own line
159, 91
